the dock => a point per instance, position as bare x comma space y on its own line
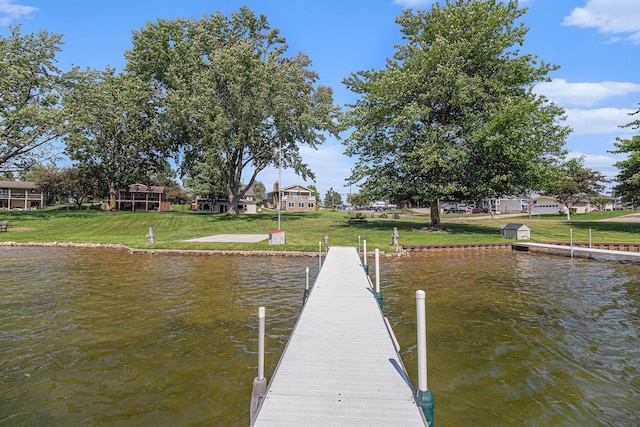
579, 251
341, 366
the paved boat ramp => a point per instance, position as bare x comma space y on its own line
341, 366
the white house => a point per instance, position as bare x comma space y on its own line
545, 205
247, 205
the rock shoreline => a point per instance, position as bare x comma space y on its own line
200, 252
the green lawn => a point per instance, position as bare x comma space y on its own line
303, 230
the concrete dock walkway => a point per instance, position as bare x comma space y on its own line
581, 251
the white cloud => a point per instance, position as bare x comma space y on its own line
584, 94
412, 3
329, 164
594, 161
599, 162
620, 18
599, 121
9, 11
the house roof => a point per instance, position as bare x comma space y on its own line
18, 184
296, 187
141, 188
249, 191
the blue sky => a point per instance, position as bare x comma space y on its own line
595, 42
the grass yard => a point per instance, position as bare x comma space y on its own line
303, 230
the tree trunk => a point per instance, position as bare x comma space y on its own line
112, 196
233, 203
434, 207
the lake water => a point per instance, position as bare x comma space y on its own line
103, 337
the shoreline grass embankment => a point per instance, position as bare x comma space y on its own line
304, 231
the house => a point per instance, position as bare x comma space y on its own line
549, 205
139, 197
545, 205
20, 195
213, 203
295, 198
515, 231
506, 205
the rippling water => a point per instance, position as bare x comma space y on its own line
101, 337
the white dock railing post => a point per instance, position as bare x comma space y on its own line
571, 241
319, 256
378, 293
259, 383
424, 397
359, 245
364, 256
305, 295
590, 239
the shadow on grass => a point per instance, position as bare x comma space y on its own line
412, 227
605, 227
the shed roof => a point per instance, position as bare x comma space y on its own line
514, 226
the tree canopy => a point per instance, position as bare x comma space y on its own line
574, 182
74, 184
628, 178
112, 124
232, 96
30, 116
332, 198
453, 113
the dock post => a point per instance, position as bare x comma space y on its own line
259, 383
424, 397
319, 256
571, 241
590, 239
364, 257
378, 293
305, 295
359, 245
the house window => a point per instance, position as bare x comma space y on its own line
291, 205
301, 205
310, 205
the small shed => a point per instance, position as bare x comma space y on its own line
515, 231
277, 237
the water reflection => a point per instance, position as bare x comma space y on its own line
95, 337
100, 337
523, 339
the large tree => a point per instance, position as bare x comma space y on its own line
232, 95
113, 125
628, 178
30, 116
574, 183
453, 113
332, 198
